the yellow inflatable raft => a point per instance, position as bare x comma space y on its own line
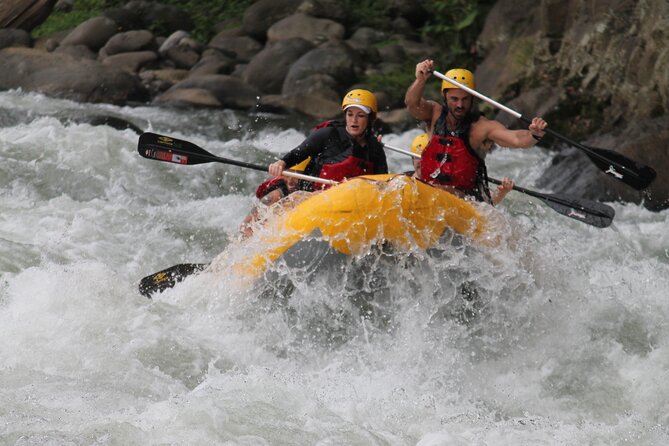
360, 213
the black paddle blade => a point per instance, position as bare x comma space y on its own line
171, 150
167, 278
622, 168
590, 212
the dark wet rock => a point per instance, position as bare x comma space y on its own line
268, 69
10, 37
67, 77
229, 91
325, 9
77, 51
336, 61
24, 14
572, 172
131, 62
129, 41
241, 48
213, 61
309, 28
93, 33
262, 14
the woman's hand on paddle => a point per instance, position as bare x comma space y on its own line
276, 169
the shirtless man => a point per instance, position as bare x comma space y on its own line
460, 138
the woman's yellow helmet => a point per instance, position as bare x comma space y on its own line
419, 142
360, 98
465, 77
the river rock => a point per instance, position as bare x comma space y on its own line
572, 172
312, 29
213, 61
325, 9
336, 61
268, 69
262, 14
11, 37
241, 48
159, 16
64, 76
229, 91
129, 41
133, 61
77, 51
93, 33
23, 14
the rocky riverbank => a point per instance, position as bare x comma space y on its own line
597, 71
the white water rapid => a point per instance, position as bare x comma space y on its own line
566, 343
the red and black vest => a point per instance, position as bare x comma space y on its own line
337, 162
449, 160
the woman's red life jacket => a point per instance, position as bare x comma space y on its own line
446, 160
337, 162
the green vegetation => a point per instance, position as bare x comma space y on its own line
206, 14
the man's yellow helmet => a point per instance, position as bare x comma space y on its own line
419, 142
461, 75
360, 98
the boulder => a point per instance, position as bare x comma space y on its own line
163, 19
129, 41
241, 48
325, 9
11, 37
572, 172
268, 69
312, 29
181, 49
93, 33
77, 51
188, 97
126, 19
337, 61
312, 106
213, 61
230, 92
131, 62
64, 76
158, 81
25, 15
262, 14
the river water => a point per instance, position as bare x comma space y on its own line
565, 342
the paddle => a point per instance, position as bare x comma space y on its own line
612, 163
586, 211
167, 278
178, 151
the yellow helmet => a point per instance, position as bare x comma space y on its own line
301, 166
465, 77
359, 97
419, 142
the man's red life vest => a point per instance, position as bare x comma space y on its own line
446, 160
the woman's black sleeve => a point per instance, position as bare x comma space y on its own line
310, 147
380, 162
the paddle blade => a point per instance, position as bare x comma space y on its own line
586, 211
622, 168
171, 150
167, 278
